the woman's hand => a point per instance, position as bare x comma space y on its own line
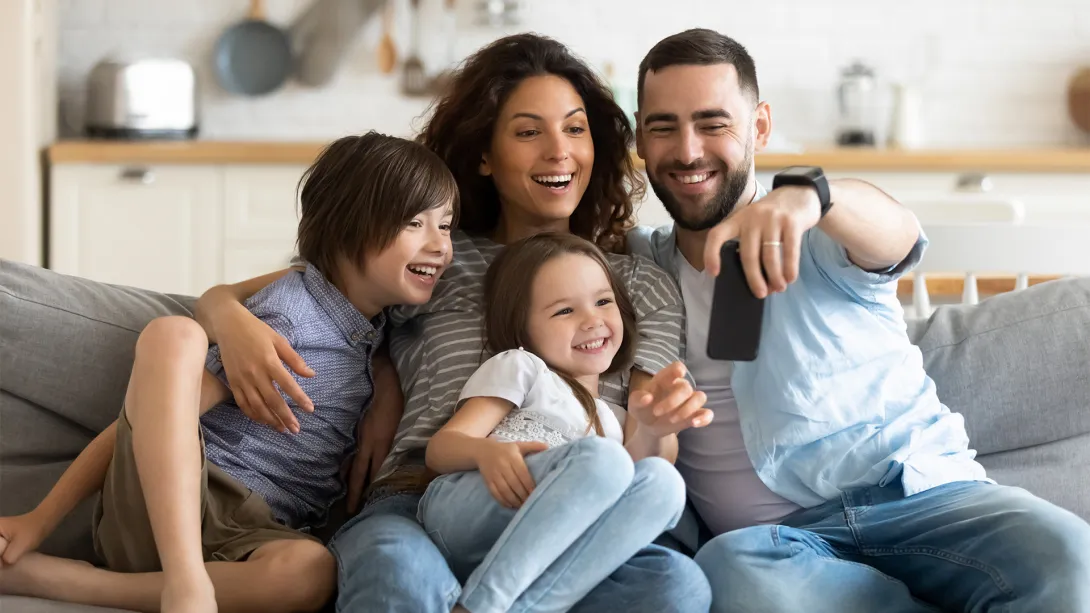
253, 356
376, 430
19, 535
668, 404
505, 472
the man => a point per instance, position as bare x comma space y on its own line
834, 437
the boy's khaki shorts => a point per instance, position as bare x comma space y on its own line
234, 520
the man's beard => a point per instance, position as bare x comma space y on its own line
722, 202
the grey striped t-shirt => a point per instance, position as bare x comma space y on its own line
437, 346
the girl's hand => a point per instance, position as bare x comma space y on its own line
253, 356
19, 535
505, 471
669, 404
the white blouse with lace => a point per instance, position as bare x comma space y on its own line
545, 410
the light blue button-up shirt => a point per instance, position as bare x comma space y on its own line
838, 397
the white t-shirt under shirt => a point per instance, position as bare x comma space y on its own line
721, 480
545, 410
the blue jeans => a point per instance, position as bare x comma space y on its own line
591, 510
387, 564
966, 546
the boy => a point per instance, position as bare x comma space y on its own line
221, 504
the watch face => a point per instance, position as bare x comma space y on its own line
799, 171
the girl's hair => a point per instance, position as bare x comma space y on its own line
362, 191
507, 288
460, 131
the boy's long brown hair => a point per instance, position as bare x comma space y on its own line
507, 289
362, 191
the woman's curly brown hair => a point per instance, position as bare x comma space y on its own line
460, 131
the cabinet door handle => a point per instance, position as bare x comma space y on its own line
974, 182
144, 176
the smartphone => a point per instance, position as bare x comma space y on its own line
735, 329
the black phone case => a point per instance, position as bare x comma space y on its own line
734, 332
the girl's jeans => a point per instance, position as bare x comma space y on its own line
591, 510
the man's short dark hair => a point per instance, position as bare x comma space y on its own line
700, 47
362, 191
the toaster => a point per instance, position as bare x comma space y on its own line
141, 99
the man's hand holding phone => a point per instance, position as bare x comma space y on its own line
752, 253
769, 232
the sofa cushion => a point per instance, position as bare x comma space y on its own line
66, 349
1054, 471
19, 604
1017, 365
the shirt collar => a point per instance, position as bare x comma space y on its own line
355, 328
665, 243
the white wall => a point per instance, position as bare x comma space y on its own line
27, 52
994, 72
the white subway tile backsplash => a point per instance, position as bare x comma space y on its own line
992, 72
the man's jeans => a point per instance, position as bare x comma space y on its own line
591, 510
965, 546
387, 564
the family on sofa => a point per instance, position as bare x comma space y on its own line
475, 330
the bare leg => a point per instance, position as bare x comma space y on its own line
163, 405
289, 576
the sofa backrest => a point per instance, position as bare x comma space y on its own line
1017, 366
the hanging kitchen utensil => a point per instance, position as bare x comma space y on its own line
387, 51
414, 79
337, 25
441, 83
1078, 99
305, 27
253, 57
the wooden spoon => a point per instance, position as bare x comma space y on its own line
387, 52
1078, 99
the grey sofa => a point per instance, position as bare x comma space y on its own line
1017, 366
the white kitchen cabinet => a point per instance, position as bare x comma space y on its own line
178, 227
155, 227
243, 261
260, 202
173, 228
260, 219
1046, 197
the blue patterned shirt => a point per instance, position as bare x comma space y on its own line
298, 475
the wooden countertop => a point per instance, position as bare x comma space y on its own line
302, 153
184, 152
952, 285
892, 160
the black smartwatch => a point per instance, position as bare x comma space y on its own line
810, 176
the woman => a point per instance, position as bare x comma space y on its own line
536, 144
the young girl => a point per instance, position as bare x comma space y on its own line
200, 506
539, 500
